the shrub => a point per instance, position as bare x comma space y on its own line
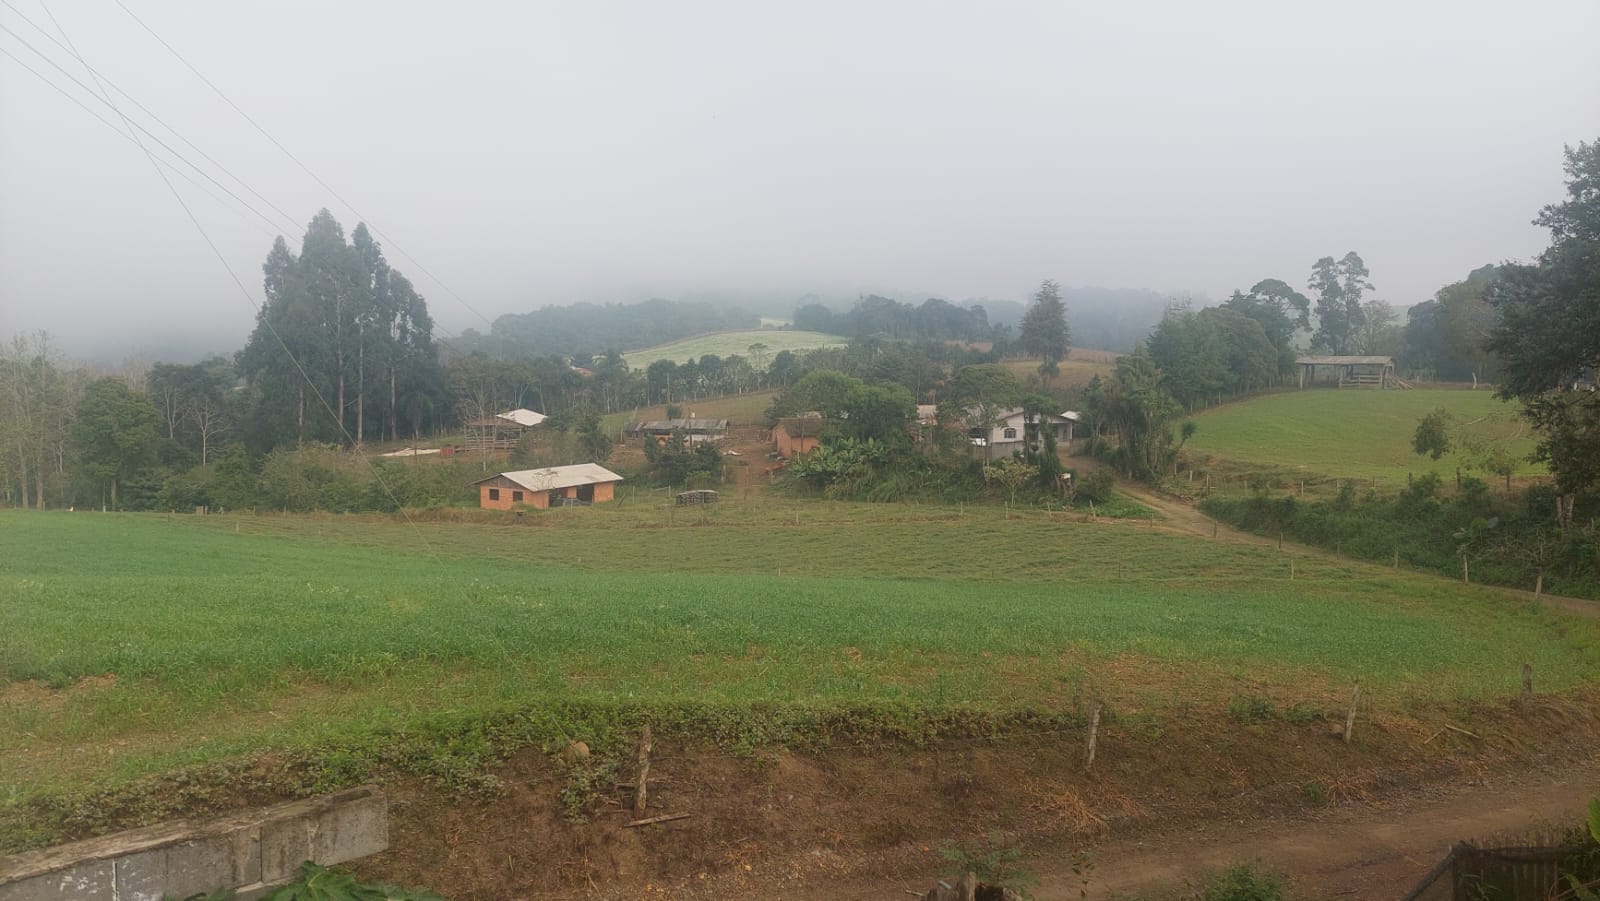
1241, 882
1252, 709
1096, 486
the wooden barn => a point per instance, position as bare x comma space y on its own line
1350, 372
797, 436
554, 486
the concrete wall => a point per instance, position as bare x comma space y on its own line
250, 852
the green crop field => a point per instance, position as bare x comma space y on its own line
136, 644
727, 344
1353, 433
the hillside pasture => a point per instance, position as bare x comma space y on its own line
135, 644
1326, 433
727, 344
738, 409
1076, 371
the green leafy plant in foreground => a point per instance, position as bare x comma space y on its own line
317, 883
994, 864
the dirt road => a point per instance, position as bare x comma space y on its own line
1351, 852
1364, 851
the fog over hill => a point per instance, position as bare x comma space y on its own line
510, 157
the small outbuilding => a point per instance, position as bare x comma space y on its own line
694, 430
797, 436
553, 486
502, 430
1352, 372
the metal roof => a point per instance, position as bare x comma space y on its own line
524, 417
687, 425
553, 477
1345, 361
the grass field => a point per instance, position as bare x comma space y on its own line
727, 344
1074, 373
738, 409
135, 644
1352, 433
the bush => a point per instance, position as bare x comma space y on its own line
1252, 709
1096, 486
1241, 882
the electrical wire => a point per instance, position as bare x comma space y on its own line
105, 98
317, 393
394, 245
147, 111
270, 233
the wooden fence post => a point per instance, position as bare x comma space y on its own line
1094, 735
1350, 718
1465, 578
641, 794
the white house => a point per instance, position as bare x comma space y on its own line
1010, 433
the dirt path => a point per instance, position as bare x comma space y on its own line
1355, 852
1367, 851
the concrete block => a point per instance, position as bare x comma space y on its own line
141, 876
89, 881
254, 851
350, 830
199, 866
246, 842
285, 845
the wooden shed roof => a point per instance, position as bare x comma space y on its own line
687, 425
1345, 361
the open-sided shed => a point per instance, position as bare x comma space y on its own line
1351, 371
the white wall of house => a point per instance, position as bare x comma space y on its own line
1009, 434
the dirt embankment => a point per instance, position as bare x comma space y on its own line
1162, 801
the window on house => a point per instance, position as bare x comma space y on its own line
494, 494
1011, 433
516, 496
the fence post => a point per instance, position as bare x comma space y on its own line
640, 796
1094, 735
1527, 683
1350, 718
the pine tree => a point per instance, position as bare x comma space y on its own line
1044, 329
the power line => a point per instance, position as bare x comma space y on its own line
307, 169
270, 233
275, 229
127, 123
147, 111
316, 392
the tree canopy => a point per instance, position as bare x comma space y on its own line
1548, 336
342, 341
1044, 331
1339, 285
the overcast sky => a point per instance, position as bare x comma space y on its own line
537, 153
